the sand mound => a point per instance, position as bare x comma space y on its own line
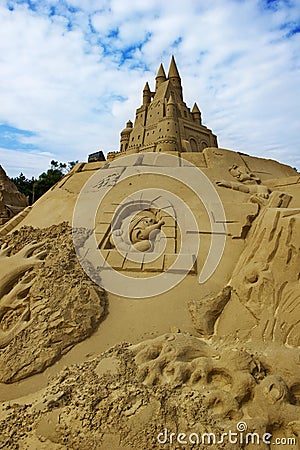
48, 302
11, 200
128, 397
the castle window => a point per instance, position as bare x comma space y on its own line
203, 145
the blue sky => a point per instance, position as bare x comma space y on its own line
72, 73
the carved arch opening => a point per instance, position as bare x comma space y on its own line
194, 146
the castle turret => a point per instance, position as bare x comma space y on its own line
160, 77
146, 95
196, 114
125, 134
173, 76
171, 107
170, 128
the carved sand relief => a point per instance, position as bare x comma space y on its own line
234, 382
247, 182
138, 232
266, 279
47, 304
265, 283
138, 227
226, 377
265, 291
175, 381
15, 284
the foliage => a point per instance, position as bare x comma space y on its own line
24, 185
35, 188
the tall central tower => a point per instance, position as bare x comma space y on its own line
164, 123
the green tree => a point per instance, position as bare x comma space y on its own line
71, 164
24, 185
35, 188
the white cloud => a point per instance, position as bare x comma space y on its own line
29, 163
75, 89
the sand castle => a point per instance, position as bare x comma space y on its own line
164, 122
152, 300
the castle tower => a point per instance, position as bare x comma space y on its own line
160, 77
196, 114
125, 135
146, 95
174, 77
171, 107
164, 122
170, 127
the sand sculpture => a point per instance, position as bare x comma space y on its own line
142, 230
86, 366
247, 182
11, 200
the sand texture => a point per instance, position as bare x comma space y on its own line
48, 303
85, 367
12, 201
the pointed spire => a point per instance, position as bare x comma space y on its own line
146, 95
195, 108
160, 77
161, 72
196, 114
146, 88
174, 77
173, 71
